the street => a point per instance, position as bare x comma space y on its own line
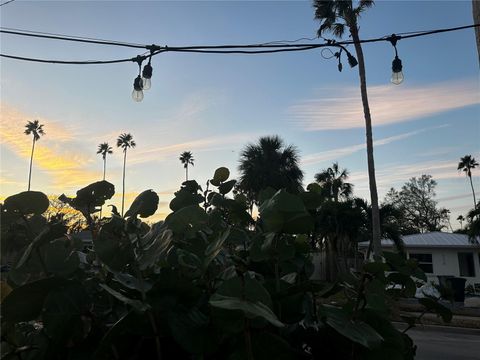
441, 342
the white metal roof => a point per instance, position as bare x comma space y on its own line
431, 239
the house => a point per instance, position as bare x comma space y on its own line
440, 253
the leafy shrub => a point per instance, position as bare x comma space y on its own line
209, 282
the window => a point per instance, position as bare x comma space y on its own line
465, 264
424, 262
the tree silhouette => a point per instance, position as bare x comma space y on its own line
36, 129
125, 141
333, 181
467, 163
104, 149
186, 158
269, 163
336, 16
461, 219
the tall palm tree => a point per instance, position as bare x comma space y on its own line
268, 163
333, 181
36, 129
186, 158
104, 149
125, 141
336, 16
467, 163
461, 219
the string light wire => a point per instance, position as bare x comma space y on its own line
265, 48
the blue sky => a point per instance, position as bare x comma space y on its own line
213, 105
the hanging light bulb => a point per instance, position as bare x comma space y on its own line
397, 73
147, 76
137, 93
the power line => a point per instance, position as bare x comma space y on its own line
101, 41
70, 38
7, 2
272, 47
273, 44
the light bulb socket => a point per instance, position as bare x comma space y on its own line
138, 83
397, 65
147, 71
351, 60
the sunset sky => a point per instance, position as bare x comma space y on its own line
213, 105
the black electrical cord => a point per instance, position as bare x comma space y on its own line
7, 2
211, 49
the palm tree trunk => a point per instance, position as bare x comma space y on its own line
186, 173
473, 192
123, 192
377, 249
104, 167
31, 161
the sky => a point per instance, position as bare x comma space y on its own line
213, 105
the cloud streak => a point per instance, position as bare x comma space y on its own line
388, 104
199, 145
392, 176
66, 167
349, 150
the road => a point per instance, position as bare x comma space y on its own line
435, 343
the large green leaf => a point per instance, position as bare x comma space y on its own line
190, 330
407, 283
226, 187
59, 257
90, 198
49, 233
285, 212
190, 217
62, 313
355, 330
25, 303
435, 306
221, 175
113, 246
26, 203
249, 288
214, 248
155, 246
144, 205
184, 198
136, 304
249, 308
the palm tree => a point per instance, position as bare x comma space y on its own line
335, 16
269, 163
332, 180
186, 158
467, 163
125, 141
36, 129
461, 219
104, 149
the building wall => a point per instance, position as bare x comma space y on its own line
445, 262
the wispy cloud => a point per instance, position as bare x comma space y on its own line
393, 176
59, 156
199, 145
335, 154
388, 104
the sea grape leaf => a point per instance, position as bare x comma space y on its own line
144, 205
26, 203
249, 308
